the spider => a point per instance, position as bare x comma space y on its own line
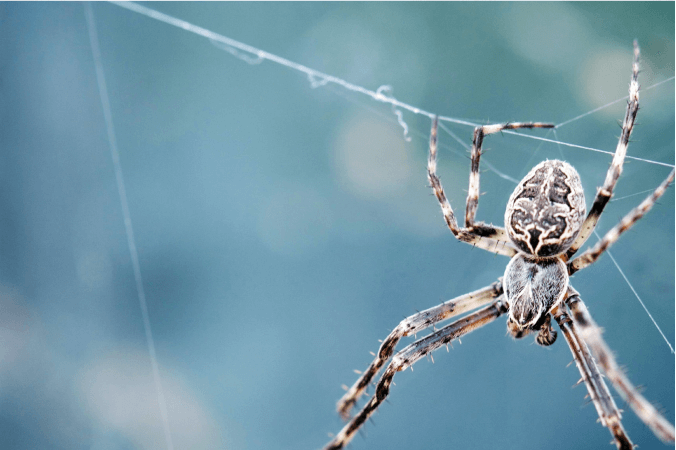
545, 225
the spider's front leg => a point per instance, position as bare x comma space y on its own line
609, 415
410, 326
409, 355
591, 334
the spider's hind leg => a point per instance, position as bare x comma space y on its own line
487, 237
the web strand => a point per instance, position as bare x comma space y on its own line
318, 79
425, 137
619, 269
315, 76
609, 104
614, 199
112, 143
538, 138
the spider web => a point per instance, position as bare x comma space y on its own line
329, 175
383, 94
317, 79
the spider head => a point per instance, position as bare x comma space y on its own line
533, 287
546, 210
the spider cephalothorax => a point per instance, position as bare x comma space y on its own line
533, 287
545, 225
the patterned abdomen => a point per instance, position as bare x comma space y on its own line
546, 210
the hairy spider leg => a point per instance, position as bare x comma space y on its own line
606, 408
487, 237
591, 255
591, 334
615, 170
410, 326
409, 355
477, 142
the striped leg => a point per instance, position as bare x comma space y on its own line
487, 237
591, 255
477, 142
410, 326
615, 170
408, 356
598, 391
591, 334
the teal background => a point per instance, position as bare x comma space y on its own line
282, 230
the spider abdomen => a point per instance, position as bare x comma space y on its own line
533, 287
546, 210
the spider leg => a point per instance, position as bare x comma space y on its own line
615, 170
477, 142
410, 326
608, 413
591, 255
409, 355
591, 334
487, 237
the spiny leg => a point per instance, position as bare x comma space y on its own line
608, 413
591, 255
408, 356
446, 209
615, 170
477, 142
487, 237
410, 326
591, 334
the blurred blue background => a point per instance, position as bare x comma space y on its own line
282, 230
